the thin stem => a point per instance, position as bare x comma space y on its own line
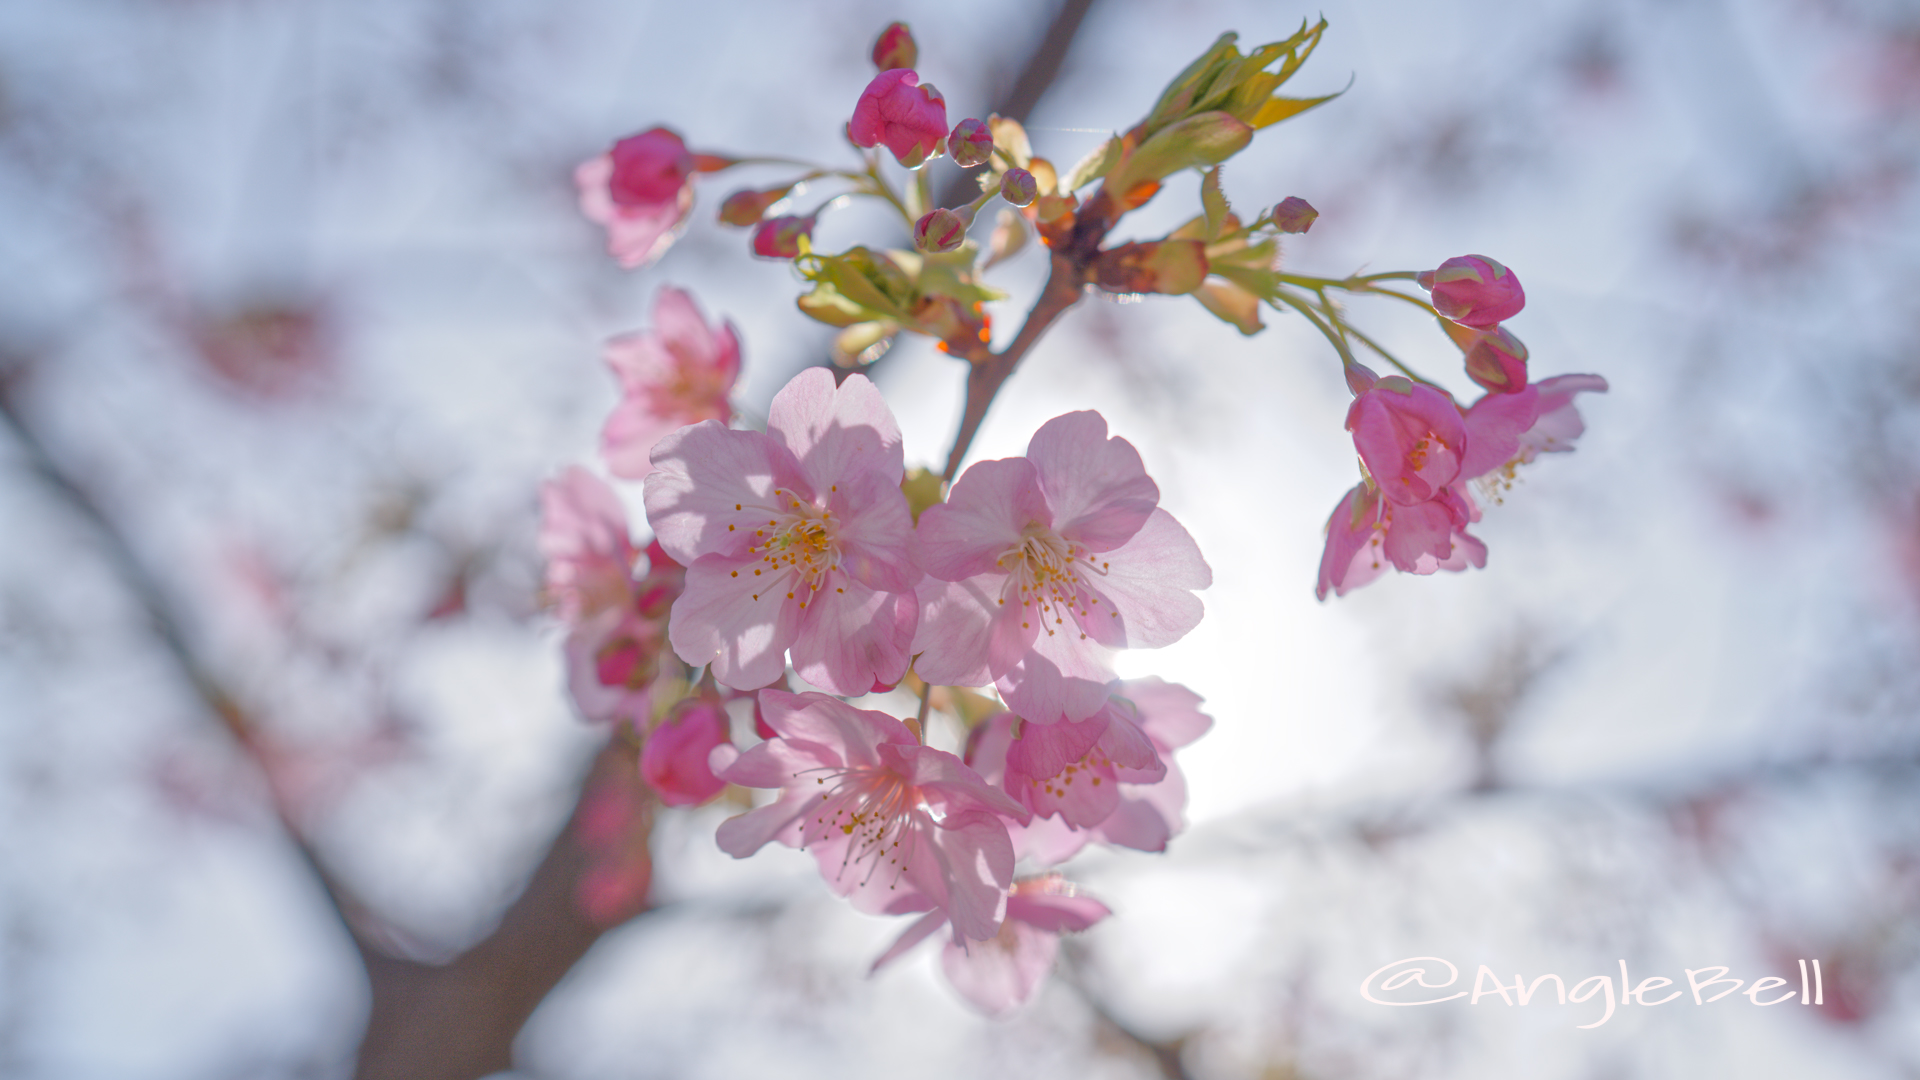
1304, 308
1390, 358
988, 374
1414, 300
920, 720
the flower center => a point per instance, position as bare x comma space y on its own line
875, 807
1047, 577
802, 541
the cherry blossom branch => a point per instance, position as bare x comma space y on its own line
452, 1021
990, 372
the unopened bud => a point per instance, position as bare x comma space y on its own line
940, 230
1019, 187
744, 208
895, 48
779, 238
1474, 290
1294, 215
970, 144
1498, 361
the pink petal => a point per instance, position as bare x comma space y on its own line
973, 858
727, 620
1060, 676
1055, 913
948, 783
747, 833
1169, 712
836, 434
1494, 426
956, 624
1097, 488
1042, 750
851, 637
986, 513
710, 478
874, 532
1000, 974
1134, 756
855, 734
922, 929
1149, 585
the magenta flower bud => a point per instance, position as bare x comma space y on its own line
1498, 361
1294, 215
970, 144
909, 119
673, 760
940, 230
895, 48
1019, 187
779, 238
649, 168
1474, 290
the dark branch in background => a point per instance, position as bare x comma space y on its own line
453, 1021
1035, 79
458, 1020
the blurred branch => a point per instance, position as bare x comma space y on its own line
453, 1021
1036, 77
1165, 1055
169, 628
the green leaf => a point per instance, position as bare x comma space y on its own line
1276, 109
1201, 140
1231, 304
1213, 203
1092, 167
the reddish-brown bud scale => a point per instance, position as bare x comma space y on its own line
1294, 215
895, 48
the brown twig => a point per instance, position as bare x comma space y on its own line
453, 1021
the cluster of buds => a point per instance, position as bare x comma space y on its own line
998, 596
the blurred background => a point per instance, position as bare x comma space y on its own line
299, 313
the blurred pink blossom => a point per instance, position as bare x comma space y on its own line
673, 760
676, 374
1002, 972
642, 191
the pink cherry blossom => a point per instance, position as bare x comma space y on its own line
1040, 566
795, 539
1501, 439
1559, 423
860, 792
1411, 436
583, 534
1368, 533
1474, 290
1002, 972
673, 760
909, 119
678, 373
642, 191
1151, 798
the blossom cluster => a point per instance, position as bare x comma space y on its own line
999, 595
1422, 454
